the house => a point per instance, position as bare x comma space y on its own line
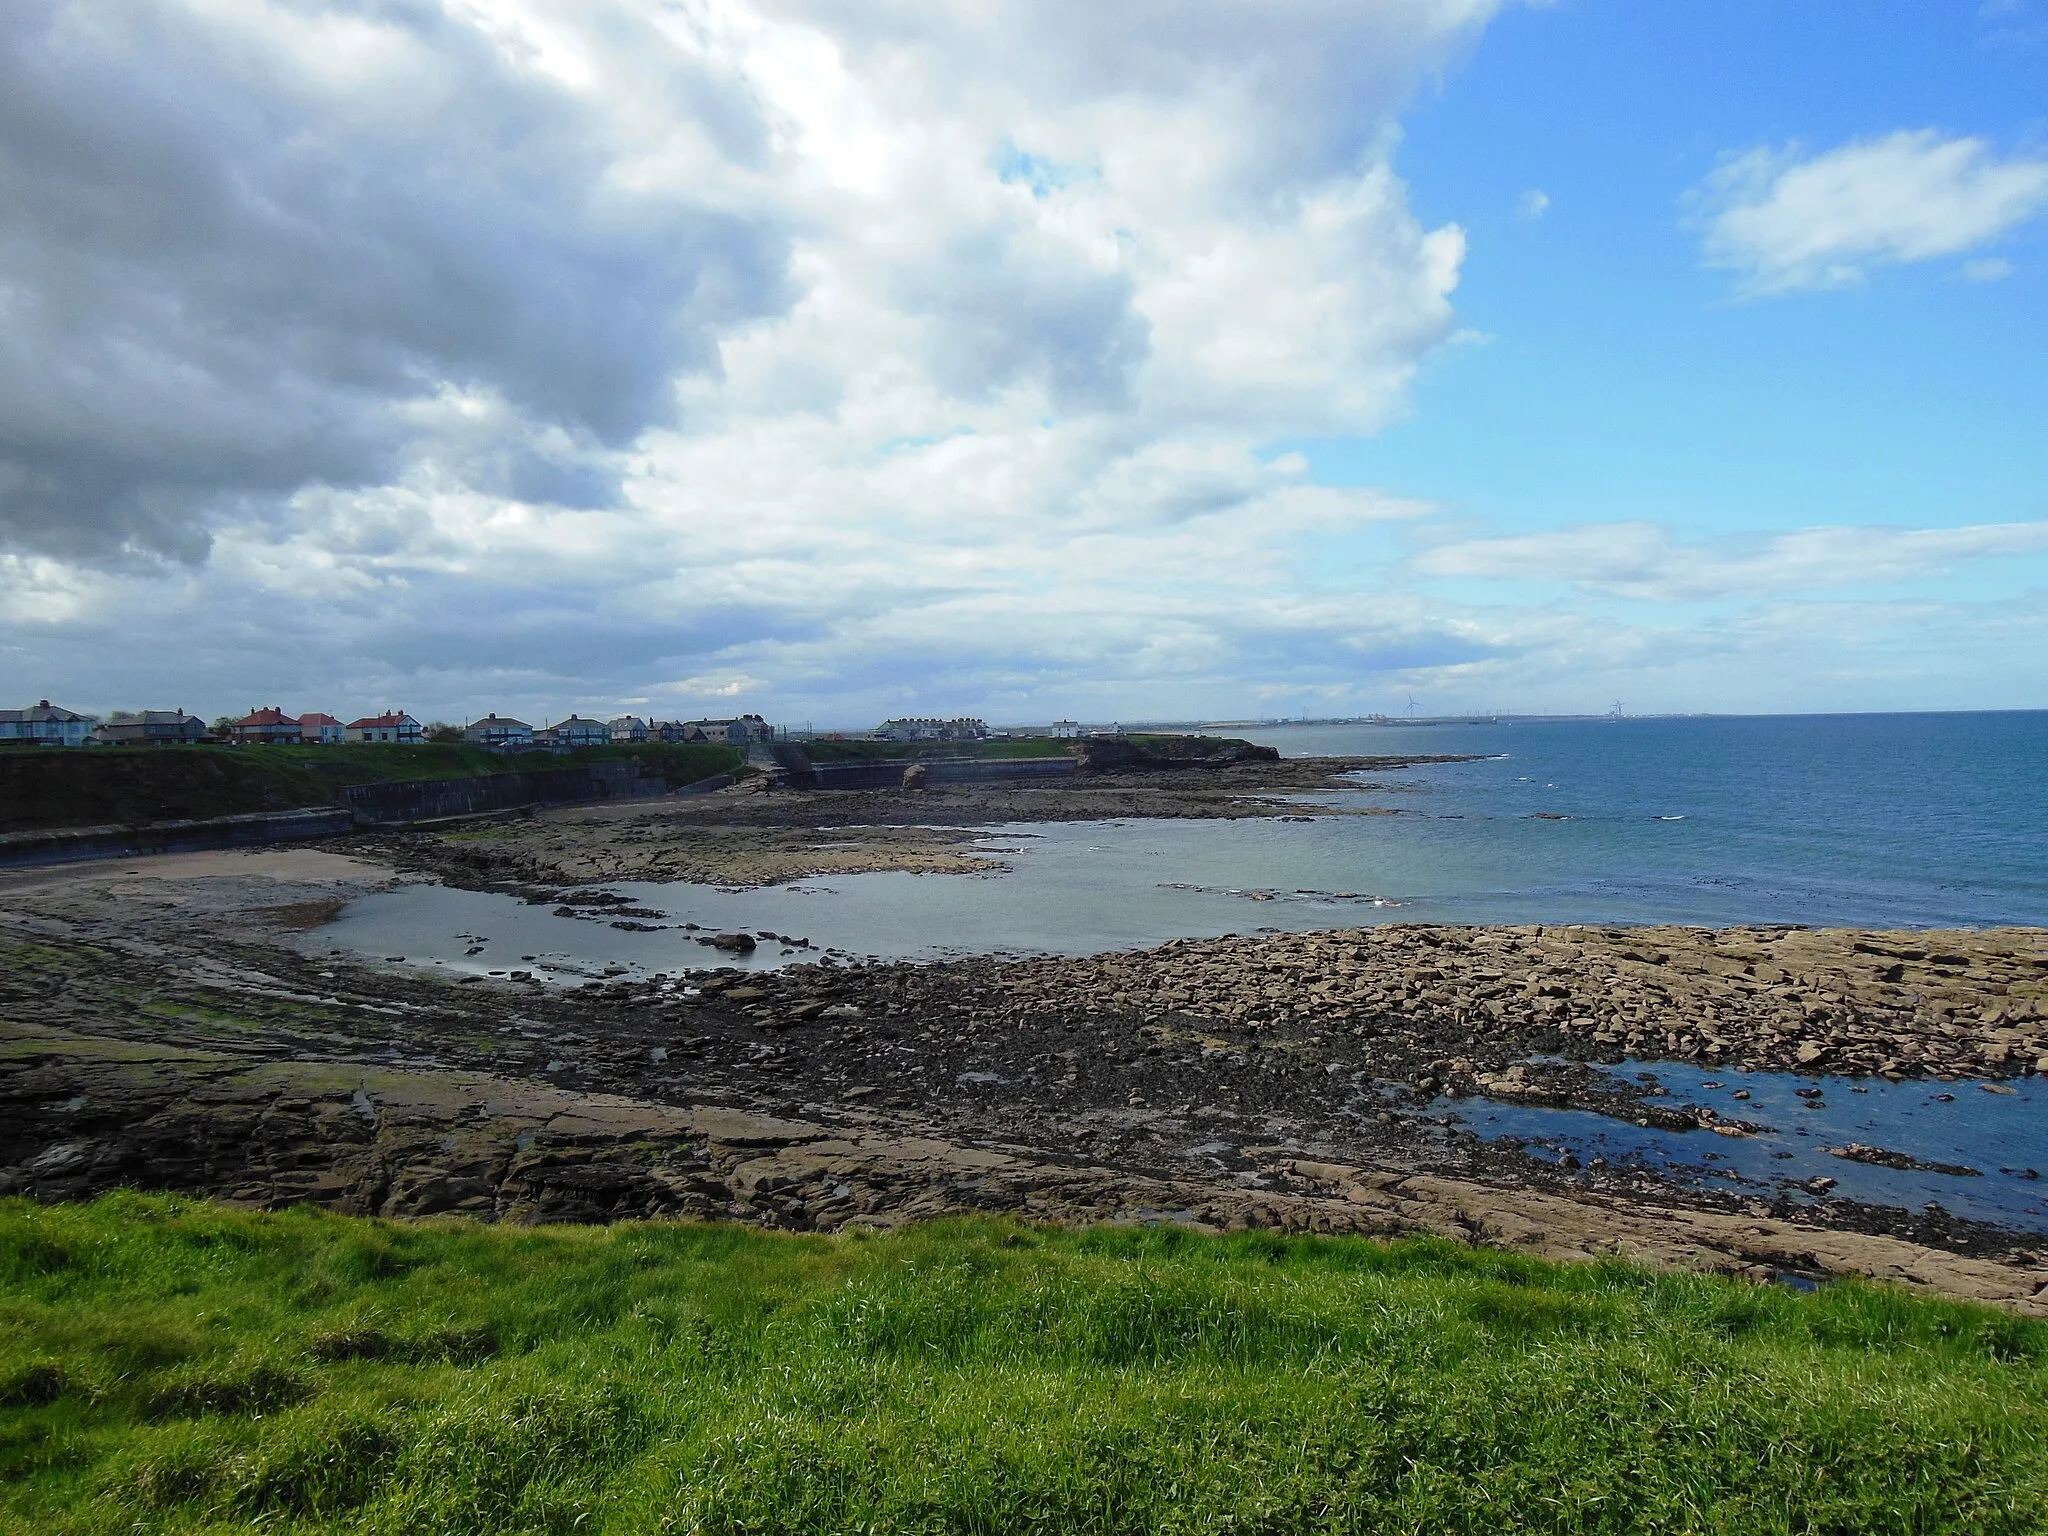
931, 730
265, 725
575, 731
736, 731
629, 728
393, 725
318, 730
44, 724
150, 728
501, 733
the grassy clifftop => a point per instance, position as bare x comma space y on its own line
181, 1366
102, 786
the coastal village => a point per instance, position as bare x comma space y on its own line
44, 724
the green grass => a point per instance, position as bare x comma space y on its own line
177, 1366
106, 786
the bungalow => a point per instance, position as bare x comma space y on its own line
265, 725
45, 725
393, 725
500, 732
575, 732
629, 728
150, 728
318, 730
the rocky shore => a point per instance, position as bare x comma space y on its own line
754, 834
166, 1032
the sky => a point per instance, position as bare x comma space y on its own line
1028, 359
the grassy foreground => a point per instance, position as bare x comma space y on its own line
170, 1365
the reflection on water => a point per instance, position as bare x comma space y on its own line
2001, 1130
1071, 889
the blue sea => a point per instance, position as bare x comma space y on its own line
1856, 820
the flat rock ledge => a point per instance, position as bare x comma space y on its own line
367, 1139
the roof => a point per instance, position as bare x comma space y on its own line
504, 720
271, 716
43, 710
382, 722
316, 718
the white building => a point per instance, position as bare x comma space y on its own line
629, 728
44, 724
962, 729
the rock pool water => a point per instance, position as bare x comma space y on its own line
1999, 1129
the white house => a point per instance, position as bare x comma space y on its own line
320, 730
46, 725
931, 730
629, 728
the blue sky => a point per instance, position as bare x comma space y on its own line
1025, 358
1619, 379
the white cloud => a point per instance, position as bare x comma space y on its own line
490, 351
1643, 560
1784, 222
1989, 269
1534, 204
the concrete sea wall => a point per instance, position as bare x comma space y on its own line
71, 844
394, 805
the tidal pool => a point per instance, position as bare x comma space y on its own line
1070, 889
1999, 1129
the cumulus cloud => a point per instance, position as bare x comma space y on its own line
1644, 560
1783, 221
542, 349
249, 247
